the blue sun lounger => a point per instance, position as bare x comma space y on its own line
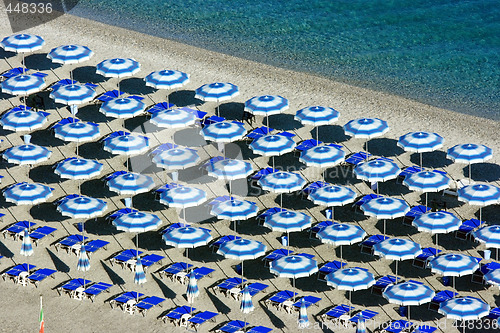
40, 275
337, 312
364, 199
174, 316
201, 272
96, 289
441, 297
366, 314
220, 199
17, 229
281, 296
313, 231
276, 254
199, 114
14, 72
212, 120
367, 244
478, 275
428, 253
94, 245
262, 216
398, 326
124, 256
40, 233
414, 213
465, 230
216, 244
159, 107
202, 317
259, 329
233, 326
122, 299
307, 144
329, 267
259, 132
229, 284
313, 187
407, 172
71, 286
17, 271
109, 95
173, 226
255, 288
383, 282
150, 260
262, 172
356, 158
308, 300
148, 303
70, 241
174, 269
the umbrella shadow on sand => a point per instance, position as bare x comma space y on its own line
484, 172
167, 292
58, 263
330, 133
183, 98
87, 74
44, 174
384, 147
114, 277
219, 305
232, 110
46, 138
91, 113
4, 251
433, 159
135, 85
46, 212
275, 320
283, 122
40, 62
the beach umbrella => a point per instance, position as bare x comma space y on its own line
437, 223
183, 197
177, 118
137, 222
22, 43
246, 305
78, 168
361, 324
332, 195
126, 144
272, 145
366, 128
118, 67
469, 153
294, 266
420, 142
397, 249
266, 105
350, 279
230, 169
303, 319
454, 264
176, 158
187, 237
21, 119
235, 210
192, 288
282, 182
317, 116
489, 235
123, 107
81, 207
385, 208
217, 92
493, 276
242, 249
427, 181
166, 79
224, 131
72, 94
408, 293
83, 260
339, 234
76, 131
27, 193
26, 154
379, 170
23, 85
464, 308
131, 183
323, 156
70, 54
288, 221
26, 246
139, 276
479, 195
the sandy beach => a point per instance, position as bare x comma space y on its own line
20, 304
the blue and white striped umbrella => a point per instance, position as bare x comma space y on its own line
397, 249
224, 131
361, 324
123, 108
118, 67
427, 181
183, 197
83, 260
72, 94
350, 279
137, 222
493, 276
322, 156
341, 234
77, 131
131, 183
192, 288
26, 246
366, 128
27, 193
166, 79
437, 222
266, 105
408, 293
464, 308
23, 85
139, 276
469, 153
303, 319
294, 266
230, 169
288, 221
21, 43
317, 115
454, 264
187, 237
377, 171
282, 182
176, 118
126, 144
489, 235
78, 168
246, 305
70, 54
242, 249
217, 92
385, 208
332, 195
26, 154
272, 145
82, 207
23, 120
176, 158
235, 210
420, 142
479, 194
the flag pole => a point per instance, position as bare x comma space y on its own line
41, 319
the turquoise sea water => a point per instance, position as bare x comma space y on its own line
440, 52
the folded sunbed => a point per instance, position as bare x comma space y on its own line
147, 303
93, 291
40, 275
441, 297
428, 253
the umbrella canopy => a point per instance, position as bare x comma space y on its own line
78, 168
272, 145
288, 221
217, 92
192, 289
397, 249
294, 266
23, 85
21, 43
282, 182
166, 79
479, 194
224, 131
322, 156
266, 105
77, 131
137, 222
385, 208
469, 153
118, 67
83, 260
81, 207
420, 142
230, 169
489, 235
246, 305
176, 118
493, 276
408, 293
351, 279
366, 128
176, 158
126, 144
377, 171
464, 308
242, 249
131, 183
361, 325
317, 115
70, 54
26, 246
72, 94
27, 193
332, 195
437, 222
341, 234
20, 119
454, 264
123, 107
303, 319
183, 197
427, 181
235, 210
26, 154
187, 237
139, 276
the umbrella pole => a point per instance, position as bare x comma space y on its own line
397, 271
341, 260
384, 227
408, 313
332, 213
317, 133
420, 160
350, 302
437, 244
470, 173
366, 146
426, 200
294, 289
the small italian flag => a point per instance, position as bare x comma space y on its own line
42, 323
